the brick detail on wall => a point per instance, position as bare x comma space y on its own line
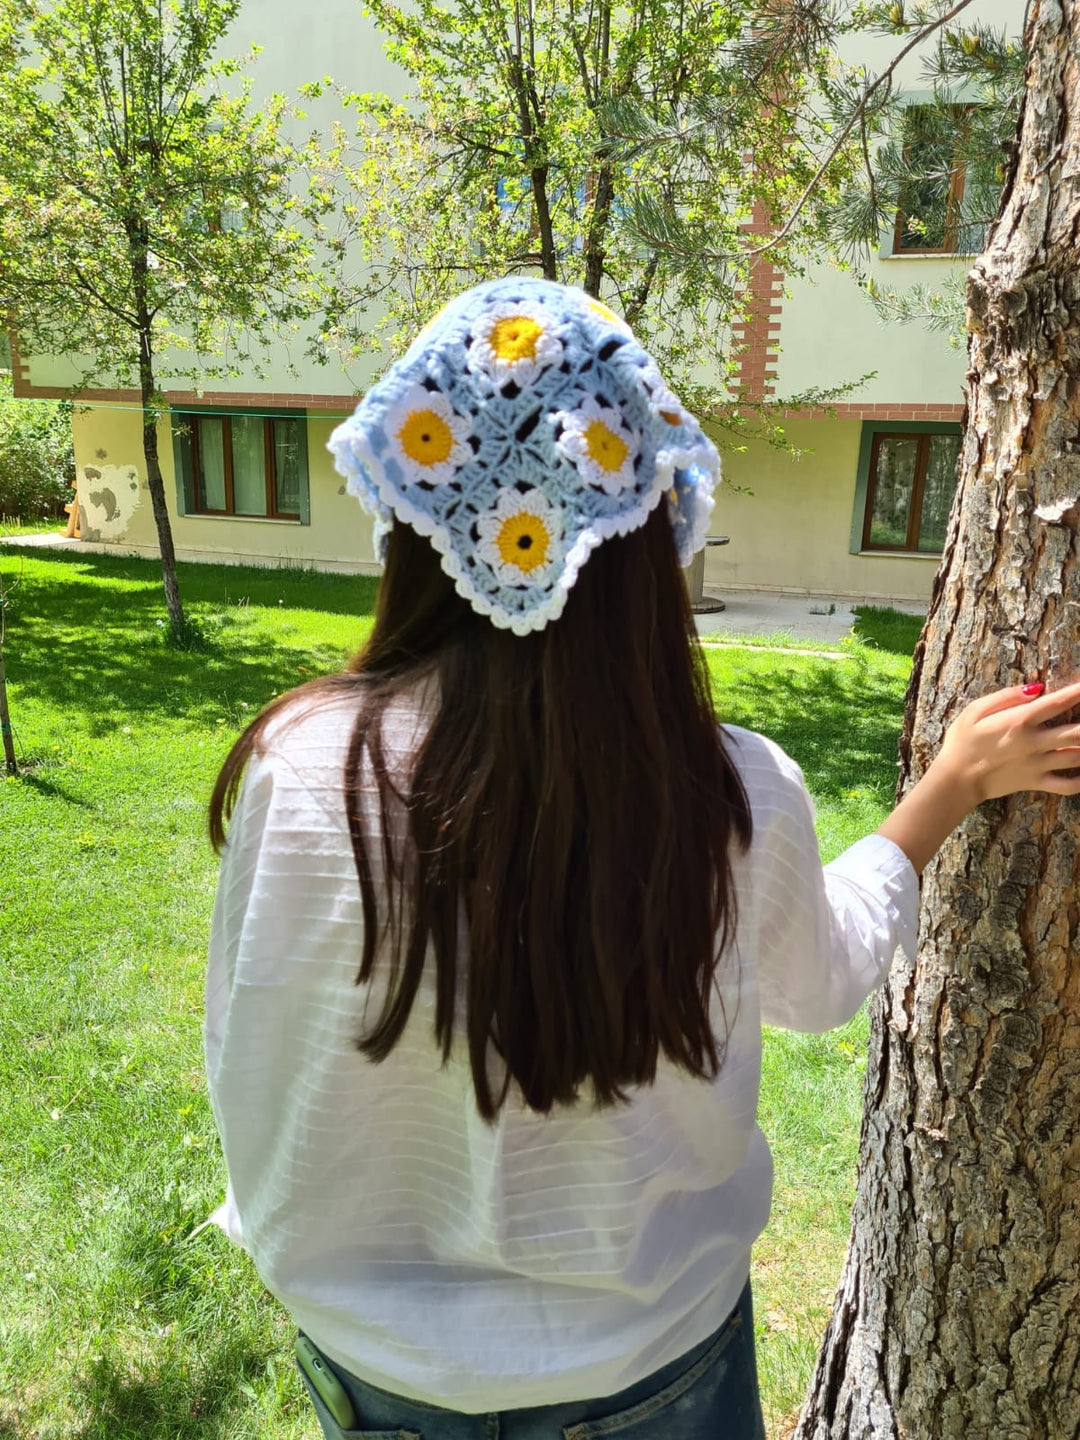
20, 371
858, 410
756, 337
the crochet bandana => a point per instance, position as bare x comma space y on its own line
524, 426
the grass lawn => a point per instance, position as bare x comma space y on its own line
116, 1321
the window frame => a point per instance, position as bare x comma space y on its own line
953, 204
873, 432
190, 486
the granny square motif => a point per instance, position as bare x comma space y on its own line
524, 426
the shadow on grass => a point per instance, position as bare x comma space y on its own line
213, 584
43, 786
87, 639
839, 721
84, 638
174, 1398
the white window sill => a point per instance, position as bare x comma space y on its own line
935, 556
930, 255
242, 519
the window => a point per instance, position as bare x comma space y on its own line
945, 202
242, 465
907, 488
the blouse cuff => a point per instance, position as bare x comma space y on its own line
227, 1218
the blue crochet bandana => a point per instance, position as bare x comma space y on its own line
524, 426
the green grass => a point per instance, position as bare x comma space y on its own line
10, 526
886, 629
116, 1321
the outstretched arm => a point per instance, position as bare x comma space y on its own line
996, 746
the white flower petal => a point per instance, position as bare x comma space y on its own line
663, 400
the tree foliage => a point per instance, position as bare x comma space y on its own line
942, 165
139, 185
505, 157
868, 150
37, 464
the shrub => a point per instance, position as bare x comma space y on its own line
37, 460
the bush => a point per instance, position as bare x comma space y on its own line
37, 460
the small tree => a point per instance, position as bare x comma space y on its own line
150, 220
504, 159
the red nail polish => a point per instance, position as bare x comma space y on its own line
1035, 688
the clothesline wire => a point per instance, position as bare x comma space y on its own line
190, 409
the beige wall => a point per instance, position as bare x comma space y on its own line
793, 533
830, 335
115, 505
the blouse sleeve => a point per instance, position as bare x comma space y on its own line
239, 863
826, 936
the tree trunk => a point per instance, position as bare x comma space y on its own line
595, 252
148, 390
958, 1313
5, 722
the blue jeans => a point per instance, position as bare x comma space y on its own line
710, 1393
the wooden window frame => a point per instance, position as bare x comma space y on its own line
953, 203
269, 469
868, 481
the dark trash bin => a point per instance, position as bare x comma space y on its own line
701, 603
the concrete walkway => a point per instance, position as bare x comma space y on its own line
825, 618
822, 618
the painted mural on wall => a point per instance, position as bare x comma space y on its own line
109, 495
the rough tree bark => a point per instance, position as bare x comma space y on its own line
958, 1313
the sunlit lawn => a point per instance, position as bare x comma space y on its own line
116, 1322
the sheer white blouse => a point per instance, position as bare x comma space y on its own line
539, 1259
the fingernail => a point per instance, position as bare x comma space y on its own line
1035, 688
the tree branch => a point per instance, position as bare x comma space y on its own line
120, 314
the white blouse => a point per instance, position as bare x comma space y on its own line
538, 1259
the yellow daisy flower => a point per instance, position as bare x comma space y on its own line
524, 540
519, 538
606, 448
514, 342
515, 338
427, 437
600, 443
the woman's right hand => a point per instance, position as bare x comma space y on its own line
1003, 743
997, 745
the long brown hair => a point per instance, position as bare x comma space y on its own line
574, 794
